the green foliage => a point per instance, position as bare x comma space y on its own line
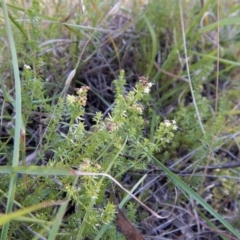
133, 134
105, 148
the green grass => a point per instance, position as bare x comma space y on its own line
74, 194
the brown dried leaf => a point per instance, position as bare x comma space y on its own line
126, 227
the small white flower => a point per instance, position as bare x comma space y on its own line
139, 107
167, 123
150, 84
174, 122
27, 66
175, 127
146, 90
71, 99
79, 91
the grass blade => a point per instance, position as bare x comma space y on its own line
183, 186
18, 121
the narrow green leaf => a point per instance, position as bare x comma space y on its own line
18, 118
58, 220
211, 56
222, 22
37, 170
154, 44
19, 26
182, 185
11, 216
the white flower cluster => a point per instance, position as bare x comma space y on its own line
71, 99
144, 82
148, 88
27, 67
172, 123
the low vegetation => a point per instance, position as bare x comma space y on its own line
119, 119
